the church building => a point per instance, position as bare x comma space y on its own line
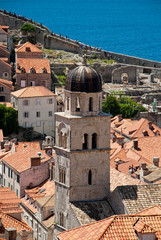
82, 165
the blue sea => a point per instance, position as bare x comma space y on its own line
131, 27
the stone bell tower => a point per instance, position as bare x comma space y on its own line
82, 166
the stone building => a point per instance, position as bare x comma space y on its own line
36, 107
31, 68
5, 89
5, 70
4, 54
82, 167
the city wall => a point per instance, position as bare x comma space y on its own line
54, 41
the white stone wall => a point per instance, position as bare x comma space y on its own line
44, 123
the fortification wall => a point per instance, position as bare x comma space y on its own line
54, 41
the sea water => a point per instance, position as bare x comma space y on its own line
131, 27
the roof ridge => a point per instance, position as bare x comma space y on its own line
107, 226
22, 46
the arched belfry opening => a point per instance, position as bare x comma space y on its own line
90, 177
67, 103
85, 142
77, 104
94, 140
90, 104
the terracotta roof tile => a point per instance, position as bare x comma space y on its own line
6, 83
37, 63
36, 91
120, 227
21, 160
32, 47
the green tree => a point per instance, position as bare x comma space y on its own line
27, 27
8, 120
111, 105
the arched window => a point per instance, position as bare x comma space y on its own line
32, 70
85, 143
44, 70
94, 140
90, 177
23, 70
65, 140
77, 104
61, 219
90, 104
67, 103
60, 139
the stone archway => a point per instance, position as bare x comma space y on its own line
124, 78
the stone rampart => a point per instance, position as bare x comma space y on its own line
59, 42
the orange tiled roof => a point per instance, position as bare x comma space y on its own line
21, 160
8, 222
148, 147
6, 83
32, 47
36, 91
119, 227
154, 210
118, 178
37, 63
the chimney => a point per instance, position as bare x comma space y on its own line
7, 146
119, 118
10, 233
143, 166
156, 161
150, 125
35, 161
135, 144
116, 165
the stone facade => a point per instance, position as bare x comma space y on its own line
124, 74
5, 70
82, 155
5, 90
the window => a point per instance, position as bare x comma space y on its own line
31, 223
90, 177
60, 139
85, 143
50, 101
90, 104
94, 140
37, 114
38, 101
8, 184
44, 70
17, 192
18, 178
1, 89
61, 219
38, 124
28, 49
50, 124
26, 114
4, 182
26, 124
23, 70
4, 168
77, 104
11, 187
9, 172
65, 140
23, 83
67, 103
50, 113
5, 75
32, 83
62, 174
25, 102
32, 70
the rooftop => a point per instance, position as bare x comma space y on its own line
36, 91
38, 64
6, 83
28, 45
119, 227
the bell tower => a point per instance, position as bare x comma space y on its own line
82, 165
